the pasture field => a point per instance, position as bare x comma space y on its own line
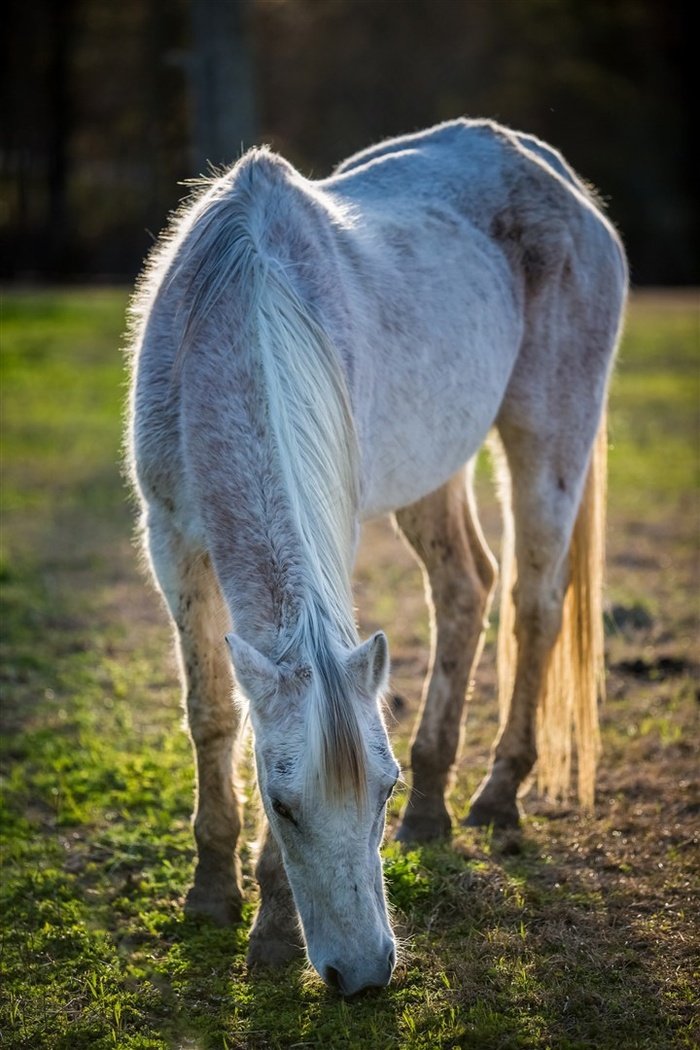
575, 932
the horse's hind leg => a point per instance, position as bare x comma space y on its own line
547, 480
459, 573
188, 581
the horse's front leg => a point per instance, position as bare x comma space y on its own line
276, 935
460, 573
192, 592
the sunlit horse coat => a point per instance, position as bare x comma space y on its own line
308, 355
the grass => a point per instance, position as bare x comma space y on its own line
655, 425
578, 932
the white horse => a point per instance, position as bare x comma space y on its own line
311, 354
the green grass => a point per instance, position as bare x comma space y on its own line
655, 404
579, 932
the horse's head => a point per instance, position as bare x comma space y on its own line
326, 771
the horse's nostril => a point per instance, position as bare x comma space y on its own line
392, 959
332, 977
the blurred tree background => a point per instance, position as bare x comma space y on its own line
107, 107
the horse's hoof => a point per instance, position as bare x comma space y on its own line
223, 911
484, 815
273, 951
424, 829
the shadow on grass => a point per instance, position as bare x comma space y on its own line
219, 1002
547, 943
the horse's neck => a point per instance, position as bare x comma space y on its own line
282, 612
269, 421
270, 568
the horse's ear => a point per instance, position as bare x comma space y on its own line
256, 675
369, 664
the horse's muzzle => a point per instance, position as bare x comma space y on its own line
351, 980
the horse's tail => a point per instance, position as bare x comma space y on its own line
575, 683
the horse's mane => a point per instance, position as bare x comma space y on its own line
229, 255
336, 748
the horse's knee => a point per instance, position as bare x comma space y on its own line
432, 752
538, 614
217, 817
460, 597
212, 726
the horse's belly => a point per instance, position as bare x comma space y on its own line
434, 407
423, 451
434, 361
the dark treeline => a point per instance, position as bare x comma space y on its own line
103, 117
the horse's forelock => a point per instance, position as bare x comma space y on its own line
337, 759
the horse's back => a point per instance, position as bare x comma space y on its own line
510, 185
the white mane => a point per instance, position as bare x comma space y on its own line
308, 402
317, 452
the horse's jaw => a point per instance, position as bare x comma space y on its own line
343, 910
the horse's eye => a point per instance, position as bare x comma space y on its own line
282, 811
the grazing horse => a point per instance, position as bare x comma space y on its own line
311, 354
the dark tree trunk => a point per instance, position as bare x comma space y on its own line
60, 123
224, 120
